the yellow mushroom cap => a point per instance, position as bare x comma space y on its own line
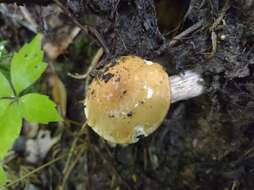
130, 100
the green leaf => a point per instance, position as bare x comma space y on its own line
2, 49
5, 88
10, 127
4, 104
2, 177
27, 65
37, 108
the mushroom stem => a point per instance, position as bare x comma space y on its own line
186, 85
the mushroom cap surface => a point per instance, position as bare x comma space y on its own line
129, 100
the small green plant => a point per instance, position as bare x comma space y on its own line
4, 57
26, 67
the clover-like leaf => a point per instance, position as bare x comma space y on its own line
27, 65
4, 104
10, 126
5, 88
37, 108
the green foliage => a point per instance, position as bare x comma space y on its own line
27, 66
4, 58
10, 127
2, 49
5, 88
38, 108
2, 176
82, 48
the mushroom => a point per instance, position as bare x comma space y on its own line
132, 98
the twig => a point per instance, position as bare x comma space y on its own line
17, 19
214, 26
177, 38
221, 15
28, 16
112, 167
71, 166
185, 33
87, 28
73, 145
35, 171
95, 60
71, 152
27, 2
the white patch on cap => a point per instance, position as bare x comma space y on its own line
149, 93
148, 62
86, 109
138, 131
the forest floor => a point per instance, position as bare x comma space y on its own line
204, 143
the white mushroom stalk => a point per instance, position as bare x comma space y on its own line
186, 85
